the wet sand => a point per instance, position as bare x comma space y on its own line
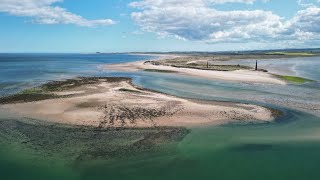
116, 102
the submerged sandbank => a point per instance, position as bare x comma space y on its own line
116, 102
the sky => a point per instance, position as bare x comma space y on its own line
86, 26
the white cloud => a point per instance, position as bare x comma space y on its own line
198, 20
46, 12
157, 3
307, 3
306, 24
232, 1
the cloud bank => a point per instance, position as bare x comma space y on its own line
198, 20
46, 12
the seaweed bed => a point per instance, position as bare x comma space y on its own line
79, 144
45, 91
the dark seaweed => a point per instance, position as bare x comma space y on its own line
78, 144
45, 91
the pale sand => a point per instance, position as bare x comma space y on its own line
108, 105
247, 76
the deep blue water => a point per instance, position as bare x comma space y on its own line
20, 71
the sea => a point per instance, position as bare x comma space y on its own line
287, 149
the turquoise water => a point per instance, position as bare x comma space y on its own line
287, 149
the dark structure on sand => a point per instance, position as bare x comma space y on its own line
256, 65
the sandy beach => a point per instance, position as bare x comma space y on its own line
116, 102
247, 76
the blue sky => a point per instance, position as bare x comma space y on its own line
157, 25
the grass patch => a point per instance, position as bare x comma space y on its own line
160, 71
291, 53
32, 91
196, 64
228, 67
294, 79
213, 67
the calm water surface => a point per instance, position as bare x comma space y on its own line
287, 149
307, 67
20, 71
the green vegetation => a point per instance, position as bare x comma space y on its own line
46, 91
213, 67
294, 79
291, 53
33, 91
195, 63
160, 71
74, 83
28, 95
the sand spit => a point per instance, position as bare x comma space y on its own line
112, 102
247, 76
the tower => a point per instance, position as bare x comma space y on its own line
256, 65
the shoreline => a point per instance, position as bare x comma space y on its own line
117, 103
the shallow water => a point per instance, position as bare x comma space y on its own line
307, 67
304, 97
21, 71
286, 149
271, 151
